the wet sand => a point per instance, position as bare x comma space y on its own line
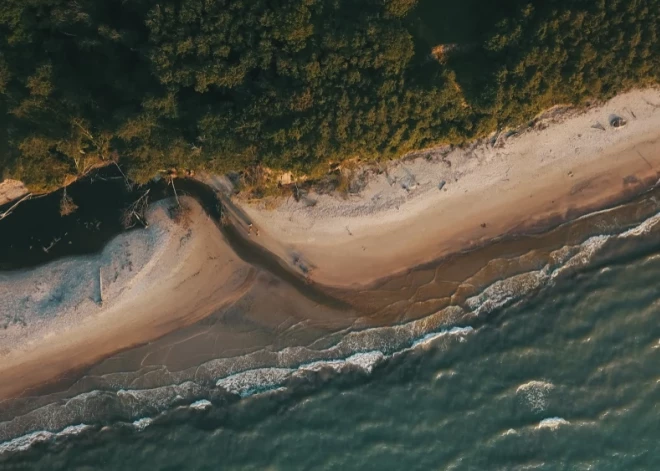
154, 282
275, 324
194, 294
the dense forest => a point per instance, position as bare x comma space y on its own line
294, 84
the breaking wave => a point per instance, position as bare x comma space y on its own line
26, 441
535, 394
552, 423
270, 371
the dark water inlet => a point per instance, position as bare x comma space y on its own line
36, 233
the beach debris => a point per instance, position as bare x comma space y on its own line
127, 182
570, 173
598, 126
617, 121
180, 214
349, 231
67, 206
409, 182
442, 184
496, 136
11, 209
52, 244
136, 212
483, 225
631, 113
176, 196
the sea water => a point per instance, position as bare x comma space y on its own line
557, 368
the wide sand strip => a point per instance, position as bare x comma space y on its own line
154, 281
446, 201
71, 313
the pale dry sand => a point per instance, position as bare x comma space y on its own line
154, 281
563, 166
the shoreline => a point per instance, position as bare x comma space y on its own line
400, 221
67, 325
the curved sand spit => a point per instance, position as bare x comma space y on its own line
154, 281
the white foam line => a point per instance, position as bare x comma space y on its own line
202, 404
534, 384
142, 423
26, 441
430, 338
643, 228
246, 383
503, 292
259, 380
535, 394
552, 423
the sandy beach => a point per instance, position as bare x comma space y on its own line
72, 313
567, 164
154, 281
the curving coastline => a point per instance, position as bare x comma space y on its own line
185, 301
561, 167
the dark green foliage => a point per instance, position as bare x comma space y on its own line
294, 84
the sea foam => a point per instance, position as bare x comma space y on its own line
535, 393
26, 441
259, 380
430, 338
142, 423
552, 423
202, 404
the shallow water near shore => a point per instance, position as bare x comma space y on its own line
541, 354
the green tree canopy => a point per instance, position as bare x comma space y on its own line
294, 84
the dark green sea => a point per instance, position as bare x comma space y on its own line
552, 368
